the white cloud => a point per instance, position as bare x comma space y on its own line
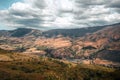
61, 13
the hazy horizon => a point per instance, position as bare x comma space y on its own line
54, 28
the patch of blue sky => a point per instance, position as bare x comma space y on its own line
5, 4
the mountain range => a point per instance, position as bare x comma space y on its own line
92, 45
73, 33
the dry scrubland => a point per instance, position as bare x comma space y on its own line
14, 66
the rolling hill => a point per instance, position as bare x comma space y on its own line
94, 45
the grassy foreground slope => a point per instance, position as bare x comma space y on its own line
54, 70
28, 67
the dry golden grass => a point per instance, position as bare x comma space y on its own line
53, 42
18, 57
5, 58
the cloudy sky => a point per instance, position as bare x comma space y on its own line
52, 14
